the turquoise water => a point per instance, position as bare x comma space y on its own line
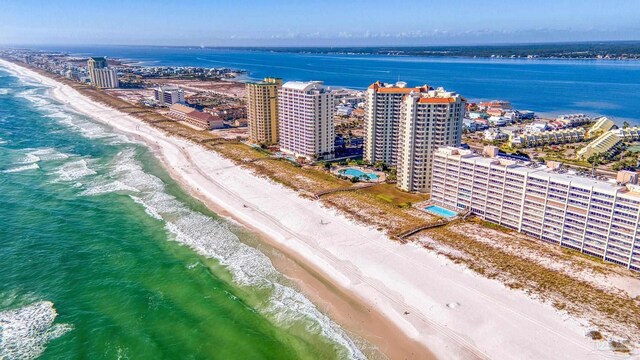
103, 256
594, 87
440, 211
358, 174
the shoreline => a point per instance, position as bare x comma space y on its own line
441, 305
348, 310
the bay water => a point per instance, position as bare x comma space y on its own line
549, 87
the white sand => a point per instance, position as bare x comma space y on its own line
454, 312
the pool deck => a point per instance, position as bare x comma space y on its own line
382, 177
425, 204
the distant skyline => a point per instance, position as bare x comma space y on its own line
327, 23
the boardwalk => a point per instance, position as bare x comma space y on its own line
413, 231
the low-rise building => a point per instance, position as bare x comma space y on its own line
495, 104
495, 135
609, 143
344, 110
553, 137
537, 126
601, 125
194, 117
574, 120
595, 216
499, 120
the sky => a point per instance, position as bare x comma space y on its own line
315, 23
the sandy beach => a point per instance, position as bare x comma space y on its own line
422, 304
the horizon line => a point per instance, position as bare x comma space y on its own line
485, 44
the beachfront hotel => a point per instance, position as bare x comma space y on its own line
168, 95
382, 120
305, 120
262, 110
428, 120
596, 216
100, 74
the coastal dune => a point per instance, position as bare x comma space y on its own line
451, 311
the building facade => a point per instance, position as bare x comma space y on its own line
553, 137
262, 110
168, 95
609, 143
382, 120
305, 116
428, 120
595, 216
199, 119
100, 74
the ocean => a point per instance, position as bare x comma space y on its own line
103, 256
549, 87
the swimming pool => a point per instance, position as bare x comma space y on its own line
357, 173
440, 211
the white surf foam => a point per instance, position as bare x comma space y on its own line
44, 154
37, 100
25, 332
110, 187
29, 159
74, 170
22, 168
4, 91
75, 121
212, 238
47, 154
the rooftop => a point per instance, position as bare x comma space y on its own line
303, 85
539, 171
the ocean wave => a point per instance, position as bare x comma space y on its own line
44, 154
212, 238
29, 159
57, 112
25, 332
110, 187
86, 128
75, 121
74, 170
4, 91
36, 99
33, 166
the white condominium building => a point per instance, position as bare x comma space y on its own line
168, 95
427, 121
595, 216
305, 116
100, 74
105, 78
382, 119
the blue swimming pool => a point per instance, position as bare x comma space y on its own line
358, 174
440, 211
